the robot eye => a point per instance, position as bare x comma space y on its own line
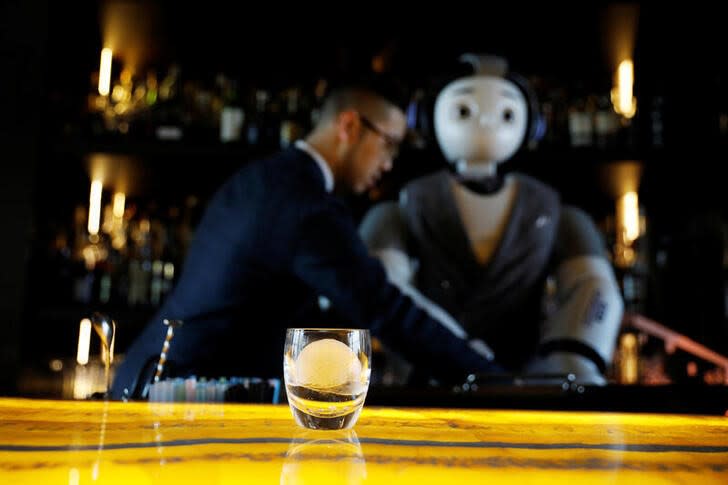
463, 112
508, 115
462, 109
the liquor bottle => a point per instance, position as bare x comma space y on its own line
169, 117
581, 122
255, 129
319, 92
140, 264
231, 114
606, 123
292, 126
555, 112
656, 122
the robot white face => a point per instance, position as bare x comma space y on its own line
480, 120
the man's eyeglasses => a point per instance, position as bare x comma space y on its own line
390, 142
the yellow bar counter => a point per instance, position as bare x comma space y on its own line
84, 442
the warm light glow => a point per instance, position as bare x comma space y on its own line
626, 85
168, 271
627, 228
145, 226
94, 208
119, 201
118, 241
108, 220
620, 177
105, 72
622, 99
83, 381
90, 257
628, 217
111, 353
619, 23
74, 477
628, 359
118, 95
84, 341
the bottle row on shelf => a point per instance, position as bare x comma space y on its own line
131, 260
223, 110
232, 109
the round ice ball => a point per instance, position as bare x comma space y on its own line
327, 363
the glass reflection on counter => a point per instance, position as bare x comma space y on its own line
324, 457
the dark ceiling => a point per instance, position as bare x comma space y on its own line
569, 40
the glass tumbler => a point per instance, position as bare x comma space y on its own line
326, 372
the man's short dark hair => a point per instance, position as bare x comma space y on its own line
363, 95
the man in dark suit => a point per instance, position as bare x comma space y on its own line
275, 242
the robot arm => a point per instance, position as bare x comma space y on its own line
580, 335
385, 234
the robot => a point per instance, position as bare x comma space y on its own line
518, 269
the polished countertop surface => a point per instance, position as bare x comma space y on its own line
79, 442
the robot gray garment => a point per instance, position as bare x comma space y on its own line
486, 258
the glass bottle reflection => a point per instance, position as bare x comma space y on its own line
324, 457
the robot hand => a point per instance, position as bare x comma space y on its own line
585, 371
579, 335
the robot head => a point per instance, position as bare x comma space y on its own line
483, 119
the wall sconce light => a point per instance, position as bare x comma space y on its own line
84, 341
622, 94
105, 72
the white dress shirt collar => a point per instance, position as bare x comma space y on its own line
325, 169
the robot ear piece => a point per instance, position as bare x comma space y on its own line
539, 128
536, 121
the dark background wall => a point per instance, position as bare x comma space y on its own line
48, 51
23, 35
